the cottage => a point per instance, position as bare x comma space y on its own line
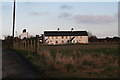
64, 37
24, 34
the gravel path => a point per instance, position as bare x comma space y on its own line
13, 66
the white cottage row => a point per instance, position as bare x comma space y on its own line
64, 37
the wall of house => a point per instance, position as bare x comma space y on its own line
80, 39
24, 35
64, 39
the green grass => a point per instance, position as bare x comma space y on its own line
66, 49
107, 51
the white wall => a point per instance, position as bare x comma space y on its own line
60, 40
80, 39
23, 35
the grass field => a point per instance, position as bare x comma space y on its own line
76, 61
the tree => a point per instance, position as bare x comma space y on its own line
8, 41
89, 34
91, 37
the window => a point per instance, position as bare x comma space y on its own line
66, 37
62, 37
50, 41
56, 41
56, 37
47, 41
73, 41
77, 41
24, 37
52, 37
62, 41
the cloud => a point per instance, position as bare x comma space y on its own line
38, 13
64, 15
5, 6
89, 19
98, 19
66, 7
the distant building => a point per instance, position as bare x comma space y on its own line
64, 37
109, 40
24, 34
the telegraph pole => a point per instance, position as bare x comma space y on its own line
13, 19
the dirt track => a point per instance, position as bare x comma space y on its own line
13, 66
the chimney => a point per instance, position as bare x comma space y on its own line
24, 30
58, 29
72, 29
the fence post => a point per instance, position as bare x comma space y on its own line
36, 43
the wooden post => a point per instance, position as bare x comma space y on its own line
36, 43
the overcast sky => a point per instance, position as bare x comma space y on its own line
99, 18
